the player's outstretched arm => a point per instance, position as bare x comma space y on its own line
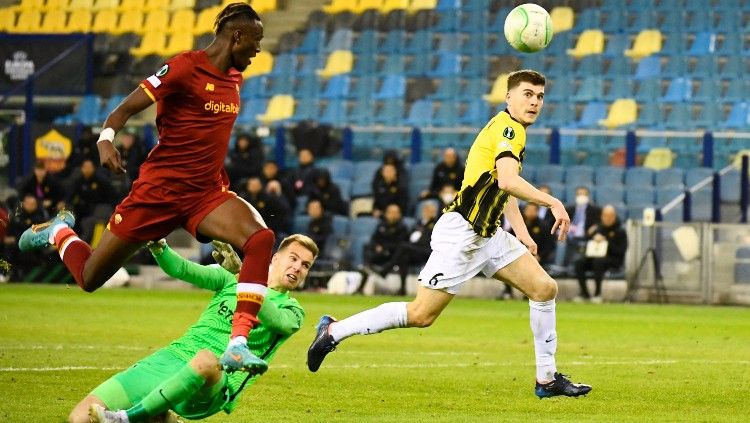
174, 265
134, 103
284, 320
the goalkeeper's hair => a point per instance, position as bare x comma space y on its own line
526, 75
302, 240
234, 11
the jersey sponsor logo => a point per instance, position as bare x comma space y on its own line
221, 107
225, 311
509, 133
504, 146
209, 86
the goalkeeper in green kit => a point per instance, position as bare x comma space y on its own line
185, 377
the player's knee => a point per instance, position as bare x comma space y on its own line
545, 289
206, 365
420, 319
261, 240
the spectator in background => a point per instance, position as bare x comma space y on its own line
583, 214
389, 234
544, 213
447, 194
133, 153
27, 214
540, 233
327, 192
387, 188
271, 172
47, 190
84, 149
246, 159
320, 226
272, 206
413, 251
608, 229
448, 172
88, 191
301, 176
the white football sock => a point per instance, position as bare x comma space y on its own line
374, 320
542, 317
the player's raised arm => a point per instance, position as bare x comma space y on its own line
176, 266
134, 103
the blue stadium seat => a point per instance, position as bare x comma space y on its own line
365, 169
641, 197
497, 23
362, 188
609, 194
699, 21
619, 87
738, 118
705, 66
363, 226
449, 42
446, 115
649, 115
357, 250
547, 174
364, 87
341, 39
362, 112
616, 45
679, 117
666, 194
255, 87
337, 87
448, 22
391, 113
335, 113
592, 113
680, 89
306, 109
738, 90
340, 225
419, 43
693, 176
579, 175
341, 169
311, 63
734, 66
731, 45
557, 189
448, 64
730, 182
281, 84
708, 90
300, 223
477, 114
709, 115
555, 91
590, 89
448, 5
110, 105
562, 115
345, 186
674, 44
730, 22
560, 44
89, 110
615, 20
420, 113
307, 86
672, 20
312, 43
586, 19
393, 86
366, 42
619, 66
638, 177
365, 64
742, 266
448, 89
284, 64
642, 19
700, 206
675, 67
609, 175
476, 46
528, 172
669, 177
394, 42
250, 109
649, 67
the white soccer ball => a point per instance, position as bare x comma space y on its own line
528, 28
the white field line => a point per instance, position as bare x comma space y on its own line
424, 365
75, 347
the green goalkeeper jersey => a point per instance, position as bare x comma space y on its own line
280, 316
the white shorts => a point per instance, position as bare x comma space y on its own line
459, 254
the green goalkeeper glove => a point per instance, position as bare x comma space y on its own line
227, 258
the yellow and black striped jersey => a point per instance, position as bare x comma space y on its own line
481, 201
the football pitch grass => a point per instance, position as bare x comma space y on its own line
645, 362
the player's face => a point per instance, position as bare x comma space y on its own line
289, 267
525, 102
246, 44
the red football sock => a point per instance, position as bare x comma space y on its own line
251, 288
73, 253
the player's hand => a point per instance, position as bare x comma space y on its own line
238, 357
110, 157
157, 247
562, 221
530, 244
227, 258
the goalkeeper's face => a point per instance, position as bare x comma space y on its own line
289, 267
525, 102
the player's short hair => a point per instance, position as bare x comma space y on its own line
525, 75
302, 240
233, 11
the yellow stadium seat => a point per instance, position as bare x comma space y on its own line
659, 158
499, 89
183, 20
179, 42
280, 107
7, 18
28, 21
623, 111
647, 42
338, 62
54, 21
105, 21
562, 19
338, 6
81, 4
30, 5
156, 21
105, 4
152, 43
130, 21
126, 5
261, 65
152, 5
182, 4
737, 161
590, 42
363, 5
205, 22
390, 5
417, 5
56, 5
262, 6
79, 21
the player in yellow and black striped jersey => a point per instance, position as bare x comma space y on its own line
481, 201
466, 241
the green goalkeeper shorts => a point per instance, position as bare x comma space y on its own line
130, 386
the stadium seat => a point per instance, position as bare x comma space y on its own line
623, 111
448, 64
420, 114
446, 115
128, 5
262, 64
183, 20
547, 174
476, 114
341, 39
338, 62
255, 87
105, 4
696, 175
730, 183
619, 87
338, 6
78, 21
391, 5
738, 118
580, 175
393, 86
562, 19
678, 117
182, 5
665, 194
178, 42
647, 42
54, 21
592, 113
28, 21
670, 177
499, 89
417, 5
280, 107
742, 265
337, 87
365, 5
591, 41
608, 175
648, 68
680, 90
703, 43
643, 196
659, 158
367, 42
104, 21
156, 5
616, 45
591, 88
151, 43
205, 22
609, 194
636, 177
130, 21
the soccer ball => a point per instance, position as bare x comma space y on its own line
528, 28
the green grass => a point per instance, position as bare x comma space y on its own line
646, 362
